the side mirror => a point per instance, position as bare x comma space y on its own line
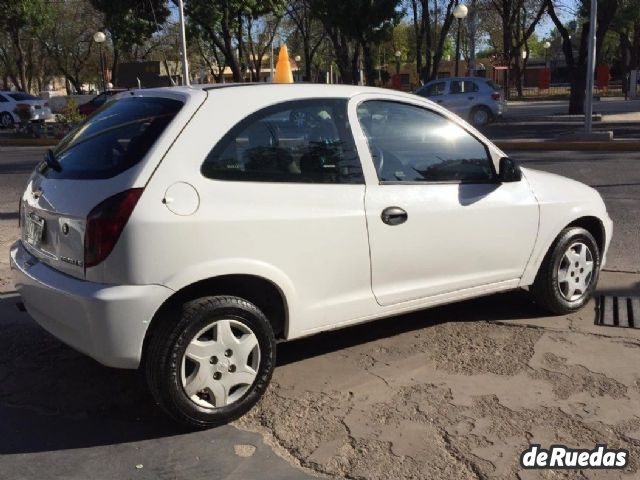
509, 171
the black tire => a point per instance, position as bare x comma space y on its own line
6, 120
546, 290
487, 116
167, 345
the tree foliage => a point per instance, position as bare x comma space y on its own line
130, 24
20, 22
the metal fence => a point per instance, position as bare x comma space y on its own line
561, 90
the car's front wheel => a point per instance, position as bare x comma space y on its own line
569, 272
211, 362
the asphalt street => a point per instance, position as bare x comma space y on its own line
453, 392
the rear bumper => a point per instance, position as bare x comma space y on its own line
106, 322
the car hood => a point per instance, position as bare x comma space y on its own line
552, 188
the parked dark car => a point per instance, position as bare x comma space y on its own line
97, 101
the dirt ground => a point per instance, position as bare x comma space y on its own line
450, 396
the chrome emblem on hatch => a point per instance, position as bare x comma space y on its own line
71, 261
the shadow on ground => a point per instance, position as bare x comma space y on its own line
515, 305
53, 398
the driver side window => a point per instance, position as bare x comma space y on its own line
409, 143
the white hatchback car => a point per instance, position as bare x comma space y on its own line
185, 230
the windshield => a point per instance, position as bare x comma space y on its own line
112, 140
22, 96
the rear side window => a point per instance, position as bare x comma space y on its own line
462, 86
19, 97
306, 141
114, 139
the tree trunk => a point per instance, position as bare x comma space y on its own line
355, 64
518, 71
369, 70
114, 66
577, 79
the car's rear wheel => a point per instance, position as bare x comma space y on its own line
569, 272
480, 116
6, 120
210, 361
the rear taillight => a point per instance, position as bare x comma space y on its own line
46, 104
495, 96
105, 224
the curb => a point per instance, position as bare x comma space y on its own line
596, 146
28, 142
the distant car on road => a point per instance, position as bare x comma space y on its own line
475, 99
155, 237
97, 101
38, 108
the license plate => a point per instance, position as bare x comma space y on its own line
34, 228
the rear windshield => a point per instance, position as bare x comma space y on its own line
493, 85
113, 139
22, 96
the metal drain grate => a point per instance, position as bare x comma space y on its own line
618, 312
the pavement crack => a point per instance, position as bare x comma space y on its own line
459, 456
378, 376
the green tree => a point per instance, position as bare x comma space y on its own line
308, 29
432, 23
577, 65
130, 24
223, 24
354, 25
20, 22
68, 41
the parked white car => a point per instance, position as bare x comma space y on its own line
473, 98
38, 108
186, 230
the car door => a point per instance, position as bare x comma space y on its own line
435, 91
438, 220
462, 96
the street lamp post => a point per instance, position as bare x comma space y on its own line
591, 66
186, 80
397, 55
459, 12
546, 46
297, 58
99, 38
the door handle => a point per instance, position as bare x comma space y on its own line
394, 216
471, 98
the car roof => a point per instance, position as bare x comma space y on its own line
456, 78
293, 89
